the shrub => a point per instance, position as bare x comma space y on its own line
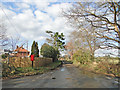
81, 56
48, 51
4, 56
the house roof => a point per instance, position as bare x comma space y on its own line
21, 49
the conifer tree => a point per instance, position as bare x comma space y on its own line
37, 50
34, 49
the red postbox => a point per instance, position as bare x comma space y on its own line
32, 57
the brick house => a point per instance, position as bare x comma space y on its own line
21, 52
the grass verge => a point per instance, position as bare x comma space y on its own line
100, 68
28, 71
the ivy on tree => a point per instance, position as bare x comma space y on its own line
34, 49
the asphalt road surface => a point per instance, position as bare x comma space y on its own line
67, 76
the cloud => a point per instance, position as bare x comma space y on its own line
4, 12
22, 5
41, 5
44, 17
31, 24
56, 10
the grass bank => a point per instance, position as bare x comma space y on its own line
10, 72
101, 67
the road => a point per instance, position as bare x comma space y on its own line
67, 76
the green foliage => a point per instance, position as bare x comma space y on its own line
49, 51
4, 56
54, 65
81, 56
34, 49
57, 40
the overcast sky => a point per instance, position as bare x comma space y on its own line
31, 19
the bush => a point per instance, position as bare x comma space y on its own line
49, 51
4, 56
81, 56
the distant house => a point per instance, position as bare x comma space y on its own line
21, 52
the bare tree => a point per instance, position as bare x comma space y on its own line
9, 42
3, 36
16, 40
103, 16
70, 48
85, 40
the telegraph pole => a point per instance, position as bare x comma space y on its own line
27, 45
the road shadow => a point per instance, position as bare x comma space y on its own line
66, 62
